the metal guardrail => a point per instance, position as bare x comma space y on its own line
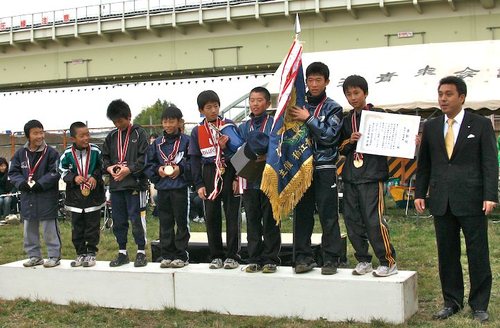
110, 10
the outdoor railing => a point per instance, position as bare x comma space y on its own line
110, 10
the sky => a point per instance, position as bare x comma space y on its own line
57, 110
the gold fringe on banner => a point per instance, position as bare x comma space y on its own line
283, 203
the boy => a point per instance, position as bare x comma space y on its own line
323, 117
363, 176
81, 168
263, 255
166, 168
215, 181
34, 173
123, 154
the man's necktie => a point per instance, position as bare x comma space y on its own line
449, 138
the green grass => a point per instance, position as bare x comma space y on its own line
412, 236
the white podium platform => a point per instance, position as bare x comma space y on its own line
339, 297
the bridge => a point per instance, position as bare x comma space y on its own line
144, 40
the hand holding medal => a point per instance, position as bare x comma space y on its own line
120, 170
170, 169
83, 172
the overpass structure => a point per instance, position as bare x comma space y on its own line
143, 40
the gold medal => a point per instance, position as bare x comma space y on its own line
358, 163
85, 192
222, 170
168, 170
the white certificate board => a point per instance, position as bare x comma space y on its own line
387, 134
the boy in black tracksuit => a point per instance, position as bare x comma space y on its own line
363, 176
323, 117
81, 168
167, 168
263, 235
123, 153
215, 181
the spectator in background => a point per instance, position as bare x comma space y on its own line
5, 188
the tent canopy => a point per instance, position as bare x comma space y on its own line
405, 78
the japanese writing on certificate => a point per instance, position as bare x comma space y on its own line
387, 134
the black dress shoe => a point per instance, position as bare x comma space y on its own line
445, 313
481, 316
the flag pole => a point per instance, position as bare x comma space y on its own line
294, 216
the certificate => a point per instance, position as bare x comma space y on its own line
387, 134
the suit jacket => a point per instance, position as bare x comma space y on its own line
465, 180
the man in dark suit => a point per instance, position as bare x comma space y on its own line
458, 165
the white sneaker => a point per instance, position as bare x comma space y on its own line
216, 264
178, 263
165, 263
231, 264
89, 261
78, 261
362, 268
385, 271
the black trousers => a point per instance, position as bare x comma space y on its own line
323, 196
213, 215
126, 205
261, 224
85, 232
172, 211
364, 221
475, 230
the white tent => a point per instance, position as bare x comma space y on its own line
406, 78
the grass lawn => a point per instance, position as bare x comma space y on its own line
413, 238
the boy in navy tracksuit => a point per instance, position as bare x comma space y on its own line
167, 168
215, 181
33, 172
263, 235
124, 153
363, 176
81, 168
323, 117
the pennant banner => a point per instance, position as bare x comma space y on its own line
289, 166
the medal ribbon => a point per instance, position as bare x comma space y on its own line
83, 171
171, 157
354, 127
31, 171
318, 108
123, 146
214, 133
262, 127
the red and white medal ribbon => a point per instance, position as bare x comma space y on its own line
214, 133
262, 127
170, 159
31, 171
318, 108
354, 127
122, 146
83, 170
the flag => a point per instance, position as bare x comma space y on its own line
289, 164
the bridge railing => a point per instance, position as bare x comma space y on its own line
108, 11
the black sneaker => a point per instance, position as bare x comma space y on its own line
121, 259
302, 267
329, 268
140, 260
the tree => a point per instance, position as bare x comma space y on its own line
152, 115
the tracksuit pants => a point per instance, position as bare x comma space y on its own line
363, 216
126, 205
263, 235
213, 215
173, 210
51, 235
323, 196
85, 231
